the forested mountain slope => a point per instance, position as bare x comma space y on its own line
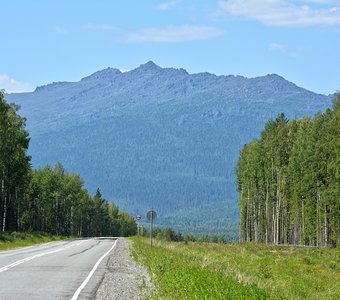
48, 200
159, 137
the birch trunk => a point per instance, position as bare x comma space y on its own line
18, 209
277, 208
4, 214
302, 233
317, 218
248, 227
267, 212
254, 220
326, 229
4, 197
274, 225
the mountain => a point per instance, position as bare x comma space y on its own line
159, 137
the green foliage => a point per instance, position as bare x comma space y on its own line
127, 224
289, 182
181, 275
61, 205
239, 271
23, 239
14, 163
49, 199
214, 219
170, 235
160, 139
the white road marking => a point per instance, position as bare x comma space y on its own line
22, 250
76, 294
19, 262
14, 251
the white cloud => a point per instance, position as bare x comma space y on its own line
285, 13
335, 2
286, 51
167, 5
97, 27
275, 46
11, 85
168, 34
60, 30
85, 28
171, 34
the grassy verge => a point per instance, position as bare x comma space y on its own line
23, 239
239, 271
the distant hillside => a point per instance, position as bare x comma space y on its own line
159, 137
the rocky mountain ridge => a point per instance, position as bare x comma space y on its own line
159, 137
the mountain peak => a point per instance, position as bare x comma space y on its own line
150, 65
185, 130
279, 82
103, 74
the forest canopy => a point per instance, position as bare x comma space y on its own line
289, 181
49, 199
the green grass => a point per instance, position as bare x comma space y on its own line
24, 239
239, 271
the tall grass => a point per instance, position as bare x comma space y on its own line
23, 239
239, 271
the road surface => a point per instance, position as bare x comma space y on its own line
71, 269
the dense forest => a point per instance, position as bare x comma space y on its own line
160, 138
289, 181
49, 199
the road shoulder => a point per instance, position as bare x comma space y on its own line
124, 278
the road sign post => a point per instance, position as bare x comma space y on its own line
138, 218
151, 215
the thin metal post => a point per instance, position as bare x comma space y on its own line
151, 232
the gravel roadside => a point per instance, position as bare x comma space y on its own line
124, 278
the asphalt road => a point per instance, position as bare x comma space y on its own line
71, 269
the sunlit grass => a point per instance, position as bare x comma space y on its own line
240, 271
20, 239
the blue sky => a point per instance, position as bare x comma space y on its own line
64, 40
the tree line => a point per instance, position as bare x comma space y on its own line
170, 235
289, 181
49, 199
